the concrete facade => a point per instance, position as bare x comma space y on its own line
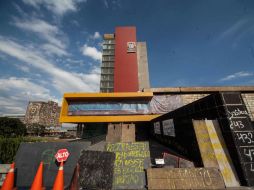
188, 98
248, 99
249, 103
124, 68
143, 71
191, 94
107, 65
44, 113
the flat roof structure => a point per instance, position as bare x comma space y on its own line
199, 89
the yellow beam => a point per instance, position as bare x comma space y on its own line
99, 119
126, 95
64, 108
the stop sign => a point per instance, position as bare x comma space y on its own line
62, 155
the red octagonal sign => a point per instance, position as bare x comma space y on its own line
62, 155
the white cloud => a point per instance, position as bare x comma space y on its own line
233, 30
58, 7
17, 92
106, 3
61, 80
76, 23
91, 52
113, 4
45, 30
236, 76
54, 50
93, 77
96, 35
75, 61
23, 68
180, 82
19, 9
23, 84
56, 40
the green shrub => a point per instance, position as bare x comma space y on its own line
9, 147
11, 127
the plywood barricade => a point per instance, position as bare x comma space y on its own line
184, 178
221, 153
29, 156
204, 143
172, 161
213, 150
131, 160
96, 170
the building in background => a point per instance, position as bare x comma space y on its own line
124, 62
107, 66
44, 113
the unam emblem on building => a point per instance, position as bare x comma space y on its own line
131, 47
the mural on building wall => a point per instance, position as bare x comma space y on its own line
109, 108
44, 113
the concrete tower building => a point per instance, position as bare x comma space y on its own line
124, 62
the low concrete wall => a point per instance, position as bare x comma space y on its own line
4, 168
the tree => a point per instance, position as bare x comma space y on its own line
11, 127
36, 128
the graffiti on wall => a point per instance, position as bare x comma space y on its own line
184, 178
131, 160
242, 130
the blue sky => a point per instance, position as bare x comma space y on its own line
48, 47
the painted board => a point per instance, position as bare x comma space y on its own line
96, 170
221, 153
205, 146
131, 160
29, 156
184, 178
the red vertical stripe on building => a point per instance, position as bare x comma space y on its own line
126, 67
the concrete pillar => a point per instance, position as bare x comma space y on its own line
80, 127
120, 132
